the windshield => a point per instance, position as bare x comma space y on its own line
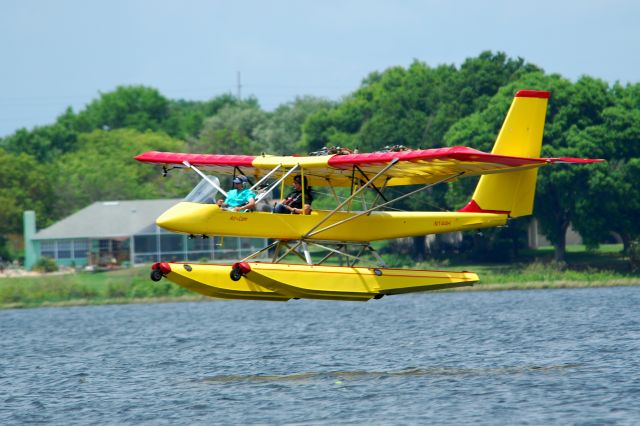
204, 192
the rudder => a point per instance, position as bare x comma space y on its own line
520, 136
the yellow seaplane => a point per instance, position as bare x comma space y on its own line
505, 190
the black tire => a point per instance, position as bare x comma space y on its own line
156, 275
235, 274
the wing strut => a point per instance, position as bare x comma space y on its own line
380, 194
265, 193
205, 177
259, 252
267, 176
341, 250
291, 250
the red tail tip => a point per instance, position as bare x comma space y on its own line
533, 94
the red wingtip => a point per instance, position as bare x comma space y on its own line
533, 94
575, 160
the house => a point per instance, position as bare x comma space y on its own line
124, 233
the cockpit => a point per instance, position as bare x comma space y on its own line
205, 191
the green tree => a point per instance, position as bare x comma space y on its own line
232, 131
186, 118
562, 188
24, 185
612, 199
611, 203
137, 107
103, 168
46, 142
281, 133
134, 107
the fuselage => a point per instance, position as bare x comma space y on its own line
209, 219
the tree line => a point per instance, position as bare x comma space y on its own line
86, 156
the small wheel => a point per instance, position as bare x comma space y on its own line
156, 275
235, 274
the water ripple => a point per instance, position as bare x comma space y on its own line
535, 357
364, 375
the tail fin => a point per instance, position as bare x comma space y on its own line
520, 136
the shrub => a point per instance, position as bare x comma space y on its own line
45, 264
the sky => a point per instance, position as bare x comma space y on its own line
60, 53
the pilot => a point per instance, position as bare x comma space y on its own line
240, 198
292, 204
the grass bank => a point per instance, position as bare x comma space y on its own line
540, 275
535, 268
85, 288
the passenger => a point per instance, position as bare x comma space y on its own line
292, 204
240, 198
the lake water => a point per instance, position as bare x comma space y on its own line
514, 357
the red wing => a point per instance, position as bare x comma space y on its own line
414, 167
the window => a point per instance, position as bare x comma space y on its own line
104, 245
145, 244
199, 256
171, 243
145, 258
199, 249
227, 248
64, 249
48, 249
199, 244
251, 245
80, 249
179, 248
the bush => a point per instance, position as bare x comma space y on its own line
116, 290
45, 264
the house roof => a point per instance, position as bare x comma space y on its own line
108, 219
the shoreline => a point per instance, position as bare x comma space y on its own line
532, 285
543, 285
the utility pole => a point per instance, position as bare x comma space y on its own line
239, 86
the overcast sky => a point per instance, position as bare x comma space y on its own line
59, 53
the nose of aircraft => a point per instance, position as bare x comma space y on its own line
184, 217
169, 218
